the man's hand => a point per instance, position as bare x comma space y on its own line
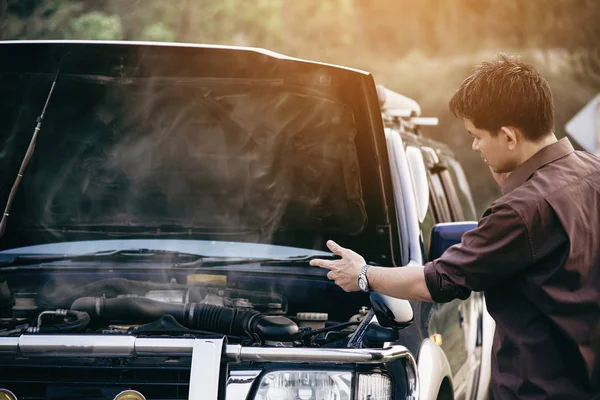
404, 283
345, 271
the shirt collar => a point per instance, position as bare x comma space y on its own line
545, 156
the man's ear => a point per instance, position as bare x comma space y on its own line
511, 135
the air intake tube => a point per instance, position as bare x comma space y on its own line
191, 315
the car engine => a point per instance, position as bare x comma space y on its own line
123, 306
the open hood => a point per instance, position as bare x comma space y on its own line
148, 140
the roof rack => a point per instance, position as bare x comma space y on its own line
425, 121
390, 101
401, 110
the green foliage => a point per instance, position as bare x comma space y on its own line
96, 26
237, 22
43, 19
157, 32
327, 28
422, 48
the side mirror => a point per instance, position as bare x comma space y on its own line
392, 312
376, 335
446, 235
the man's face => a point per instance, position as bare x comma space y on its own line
494, 149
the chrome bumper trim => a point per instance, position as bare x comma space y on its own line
206, 365
130, 346
239, 384
9, 346
167, 347
74, 346
294, 354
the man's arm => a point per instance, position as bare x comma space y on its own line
404, 283
497, 249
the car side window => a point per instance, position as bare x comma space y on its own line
426, 228
437, 212
453, 200
440, 201
463, 190
438, 209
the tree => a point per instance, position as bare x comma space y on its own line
96, 26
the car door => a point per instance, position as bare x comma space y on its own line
460, 203
450, 324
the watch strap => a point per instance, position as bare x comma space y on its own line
363, 275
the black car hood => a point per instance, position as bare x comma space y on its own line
209, 142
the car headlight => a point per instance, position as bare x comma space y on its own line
374, 387
6, 394
322, 385
130, 395
305, 385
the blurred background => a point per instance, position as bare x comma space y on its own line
420, 48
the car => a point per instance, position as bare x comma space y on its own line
163, 202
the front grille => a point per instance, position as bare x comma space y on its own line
167, 379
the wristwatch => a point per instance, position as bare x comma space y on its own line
363, 282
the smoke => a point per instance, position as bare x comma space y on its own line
249, 160
220, 159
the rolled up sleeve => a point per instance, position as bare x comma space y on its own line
497, 249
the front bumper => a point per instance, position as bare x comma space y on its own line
207, 357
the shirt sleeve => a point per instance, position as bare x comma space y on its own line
497, 249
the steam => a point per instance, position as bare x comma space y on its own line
256, 158
218, 156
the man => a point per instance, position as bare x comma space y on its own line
535, 252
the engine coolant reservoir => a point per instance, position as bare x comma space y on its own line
313, 320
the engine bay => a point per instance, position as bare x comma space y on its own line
150, 308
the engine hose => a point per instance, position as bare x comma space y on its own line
221, 319
204, 317
55, 295
80, 321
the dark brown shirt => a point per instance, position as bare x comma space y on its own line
536, 255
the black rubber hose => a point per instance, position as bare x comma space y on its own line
205, 317
260, 300
80, 322
129, 308
58, 294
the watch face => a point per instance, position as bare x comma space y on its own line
362, 283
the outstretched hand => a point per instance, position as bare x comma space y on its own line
345, 271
